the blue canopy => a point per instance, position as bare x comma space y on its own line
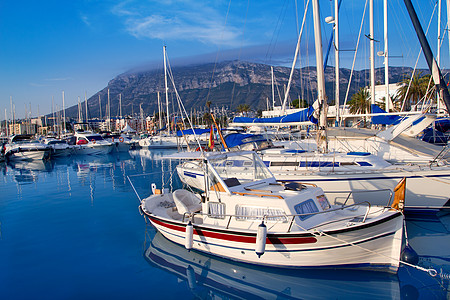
384, 120
198, 131
237, 139
300, 116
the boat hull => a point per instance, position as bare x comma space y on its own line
94, 149
369, 246
28, 155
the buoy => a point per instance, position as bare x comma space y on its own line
189, 239
261, 236
409, 255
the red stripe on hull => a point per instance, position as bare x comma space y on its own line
239, 238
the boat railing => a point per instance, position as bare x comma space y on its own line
287, 218
351, 193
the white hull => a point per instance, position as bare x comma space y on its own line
28, 155
379, 245
61, 152
94, 149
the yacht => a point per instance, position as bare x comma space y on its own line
25, 147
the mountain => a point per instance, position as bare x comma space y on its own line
226, 84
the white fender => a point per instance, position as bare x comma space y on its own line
261, 236
189, 238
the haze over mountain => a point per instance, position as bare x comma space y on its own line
228, 84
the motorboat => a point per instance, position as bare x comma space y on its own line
89, 143
59, 148
122, 142
339, 173
25, 147
160, 142
260, 220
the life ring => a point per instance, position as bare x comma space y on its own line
93, 141
121, 139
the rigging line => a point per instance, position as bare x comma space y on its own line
276, 32
218, 51
354, 58
240, 50
182, 106
417, 61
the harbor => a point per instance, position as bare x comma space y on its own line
70, 215
243, 163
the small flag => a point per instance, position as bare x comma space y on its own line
211, 138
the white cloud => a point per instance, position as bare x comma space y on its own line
181, 20
85, 20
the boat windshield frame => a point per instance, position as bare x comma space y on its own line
227, 164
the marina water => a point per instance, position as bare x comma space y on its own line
71, 229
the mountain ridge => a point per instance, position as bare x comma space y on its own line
228, 83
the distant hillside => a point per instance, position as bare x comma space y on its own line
233, 83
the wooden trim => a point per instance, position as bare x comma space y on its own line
259, 195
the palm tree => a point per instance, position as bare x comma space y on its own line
243, 108
417, 90
360, 103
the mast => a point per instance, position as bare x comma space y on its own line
109, 113
336, 57
53, 112
297, 50
321, 97
120, 105
64, 112
86, 105
100, 106
6, 123
386, 59
438, 55
372, 55
273, 88
432, 64
166, 89
79, 116
12, 115
159, 111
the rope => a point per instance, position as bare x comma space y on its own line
431, 272
354, 59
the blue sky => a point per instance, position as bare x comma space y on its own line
51, 46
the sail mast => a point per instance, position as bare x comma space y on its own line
386, 58
336, 54
64, 113
372, 55
432, 64
321, 97
166, 90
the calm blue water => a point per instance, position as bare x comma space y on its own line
71, 229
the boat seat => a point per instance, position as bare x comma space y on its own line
186, 202
233, 181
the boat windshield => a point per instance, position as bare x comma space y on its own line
94, 138
244, 167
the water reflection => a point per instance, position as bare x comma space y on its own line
210, 277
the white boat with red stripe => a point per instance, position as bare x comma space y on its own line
265, 222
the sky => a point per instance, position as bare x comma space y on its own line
51, 46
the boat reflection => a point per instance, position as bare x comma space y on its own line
211, 277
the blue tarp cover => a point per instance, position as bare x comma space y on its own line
236, 139
198, 131
300, 116
384, 120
